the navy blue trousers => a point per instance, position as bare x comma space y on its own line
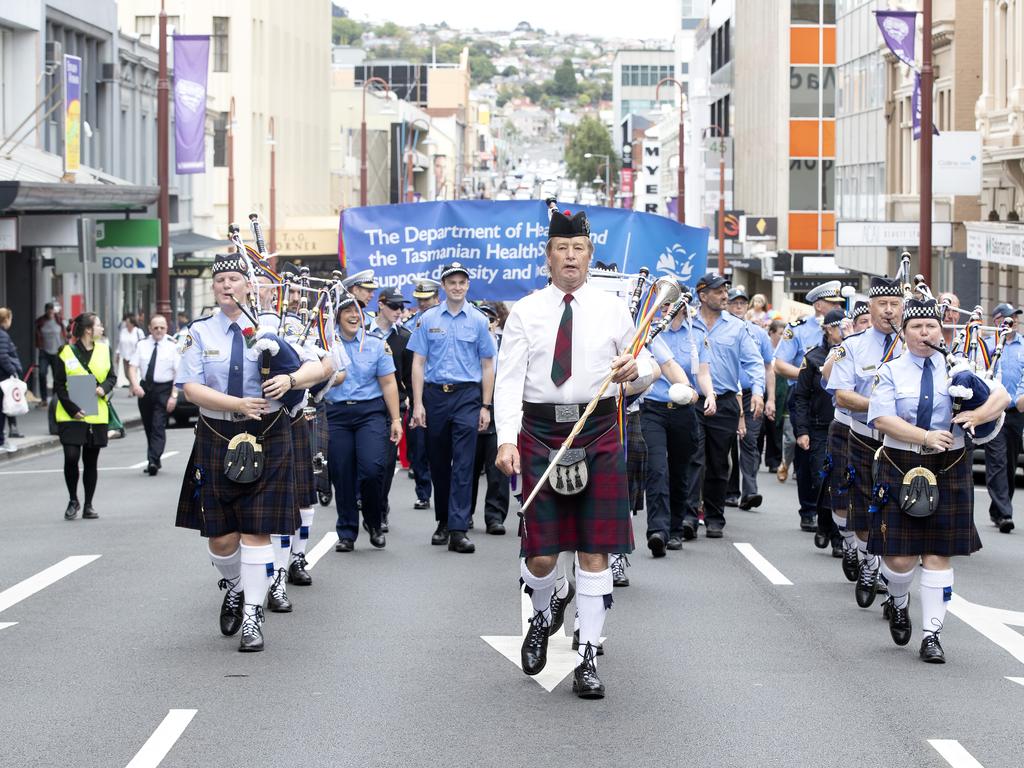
417, 441
671, 437
452, 421
358, 456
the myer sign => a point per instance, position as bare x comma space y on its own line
993, 241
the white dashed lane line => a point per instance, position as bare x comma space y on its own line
163, 739
773, 574
954, 753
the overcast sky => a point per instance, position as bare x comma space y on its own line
650, 19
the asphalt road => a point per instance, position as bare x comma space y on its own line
382, 663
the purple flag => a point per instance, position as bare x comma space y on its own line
915, 110
191, 53
898, 30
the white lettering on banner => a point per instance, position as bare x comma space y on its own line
477, 274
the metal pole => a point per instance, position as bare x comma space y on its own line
231, 162
362, 153
680, 171
721, 204
608, 181
273, 190
927, 77
163, 278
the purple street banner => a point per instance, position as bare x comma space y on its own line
502, 243
898, 30
191, 54
915, 110
72, 113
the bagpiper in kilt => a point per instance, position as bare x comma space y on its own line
922, 506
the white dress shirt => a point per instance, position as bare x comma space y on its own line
601, 330
166, 360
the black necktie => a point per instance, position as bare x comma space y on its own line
148, 381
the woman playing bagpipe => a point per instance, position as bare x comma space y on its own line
922, 508
239, 486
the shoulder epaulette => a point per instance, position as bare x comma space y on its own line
798, 322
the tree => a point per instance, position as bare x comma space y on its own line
565, 80
481, 68
345, 31
509, 71
591, 136
533, 92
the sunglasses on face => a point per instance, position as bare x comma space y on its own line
396, 307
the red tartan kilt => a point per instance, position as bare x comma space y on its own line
596, 520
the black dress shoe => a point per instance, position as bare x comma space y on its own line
851, 563
689, 529
931, 649
751, 502
72, 510
230, 609
411, 474
887, 608
384, 527
297, 573
1005, 525
837, 549
576, 643
377, 538
656, 543
732, 501
558, 606
585, 682
618, 566
674, 543
344, 545
899, 622
820, 540
459, 542
496, 529
15, 434
440, 536
712, 531
152, 469
252, 632
277, 595
534, 652
808, 523
867, 585
421, 504
89, 513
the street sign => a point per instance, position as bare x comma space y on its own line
758, 228
956, 163
995, 241
890, 234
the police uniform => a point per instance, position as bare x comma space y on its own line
157, 363
364, 279
453, 347
1003, 451
416, 437
359, 449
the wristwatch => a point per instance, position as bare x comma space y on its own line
291, 381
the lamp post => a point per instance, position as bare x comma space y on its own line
163, 275
231, 161
362, 131
721, 197
607, 174
680, 172
925, 210
272, 141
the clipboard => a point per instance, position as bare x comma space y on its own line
82, 391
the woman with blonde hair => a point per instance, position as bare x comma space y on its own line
758, 311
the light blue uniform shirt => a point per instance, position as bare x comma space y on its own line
453, 345
364, 366
1011, 362
733, 350
678, 343
858, 359
799, 336
898, 391
764, 346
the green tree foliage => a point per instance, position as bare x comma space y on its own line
533, 92
345, 31
565, 81
481, 68
509, 71
591, 136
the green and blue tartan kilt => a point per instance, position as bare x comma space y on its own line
949, 530
636, 462
214, 505
839, 478
597, 519
302, 455
861, 456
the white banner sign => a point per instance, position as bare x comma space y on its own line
993, 241
647, 195
956, 163
892, 234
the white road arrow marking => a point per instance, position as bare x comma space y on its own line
23, 589
773, 574
562, 659
993, 623
159, 744
954, 753
1017, 680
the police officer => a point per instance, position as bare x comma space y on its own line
1003, 450
732, 350
361, 286
222, 376
923, 508
799, 336
425, 291
151, 373
813, 412
385, 326
452, 387
496, 496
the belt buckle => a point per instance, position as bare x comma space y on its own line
567, 413
447, 388
671, 405
350, 402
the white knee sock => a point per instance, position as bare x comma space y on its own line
848, 536
936, 592
561, 582
593, 598
898, 584
229, 567
302, 534
257, 572
862, 548
541, 588
282, 549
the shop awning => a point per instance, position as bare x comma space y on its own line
50, 197
192, 242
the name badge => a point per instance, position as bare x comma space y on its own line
869, 367
435, 330
211, 353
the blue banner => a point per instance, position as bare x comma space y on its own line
502, 243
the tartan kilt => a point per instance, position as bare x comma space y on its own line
302, 455
215, 506
861, 455
839, 479
636, 462
596, 520
949, 530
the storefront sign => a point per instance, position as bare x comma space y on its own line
956, 163
992, 241
128, 233
891, 234
128, 261
758, 228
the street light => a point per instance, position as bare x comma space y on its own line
721, 196
272, 141
680, 173
231, 161
607, 169
362, 129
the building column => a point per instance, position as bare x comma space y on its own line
988, 62
1016, 56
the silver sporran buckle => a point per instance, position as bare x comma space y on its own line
567, 413
570, 475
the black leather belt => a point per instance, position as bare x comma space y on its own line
453, 387
560, 412
670, 405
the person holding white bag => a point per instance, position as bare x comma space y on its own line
10, 366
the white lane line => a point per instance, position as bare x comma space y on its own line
954, 753
321, 548
164, 455
159, 744
31, 585
1017, 680
139, 465
773, 574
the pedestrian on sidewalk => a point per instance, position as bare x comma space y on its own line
128, 337
50, 336
151, 375
10, 365
83, 434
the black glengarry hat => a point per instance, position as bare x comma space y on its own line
915, 309
860, 308
568, 224
834, 318
230, 262
885, 286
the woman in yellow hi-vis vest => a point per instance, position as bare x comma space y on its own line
82, 426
